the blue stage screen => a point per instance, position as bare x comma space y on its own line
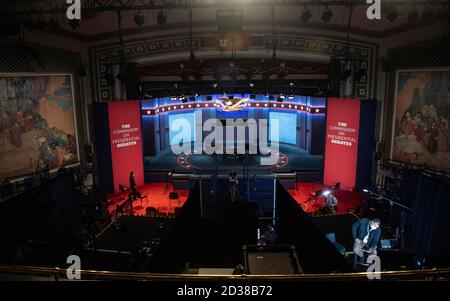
187, 136
287, 127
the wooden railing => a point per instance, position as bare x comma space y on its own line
60, 274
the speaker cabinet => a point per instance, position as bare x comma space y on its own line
271, 260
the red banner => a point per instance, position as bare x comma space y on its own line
341, 148
126, 142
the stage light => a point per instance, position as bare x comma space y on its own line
306, 15
291, 97
252, 85
365, 190
326, 193
392, 16
173, 98
139, 19
161, 18
74, 24
413, 16
327, 15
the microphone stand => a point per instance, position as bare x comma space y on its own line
402, 217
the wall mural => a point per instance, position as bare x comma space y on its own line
37, 123
422, 112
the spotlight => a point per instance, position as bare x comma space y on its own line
173, 98
139, 19
161, 18
306, 15
74, 24
291, 97
326, 192
413, 16
327, 15
392, 16
252, 85
366, 190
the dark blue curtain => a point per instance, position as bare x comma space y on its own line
429, 196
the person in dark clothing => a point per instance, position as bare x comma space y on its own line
366, 234
132, 186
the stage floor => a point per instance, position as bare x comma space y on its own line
348, 201
157, 197
289, 158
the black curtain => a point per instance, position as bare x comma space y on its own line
429, 197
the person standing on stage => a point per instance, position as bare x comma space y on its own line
366, 234
132, 186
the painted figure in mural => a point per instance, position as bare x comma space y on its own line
420, 128
443, 134
433, 138
407, 141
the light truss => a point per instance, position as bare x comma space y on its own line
59, 6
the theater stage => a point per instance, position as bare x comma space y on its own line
348, 201
158, 198
289, 158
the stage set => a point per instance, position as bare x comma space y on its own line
322, 150
321, 145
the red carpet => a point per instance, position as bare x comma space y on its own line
157, 197
347, 200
